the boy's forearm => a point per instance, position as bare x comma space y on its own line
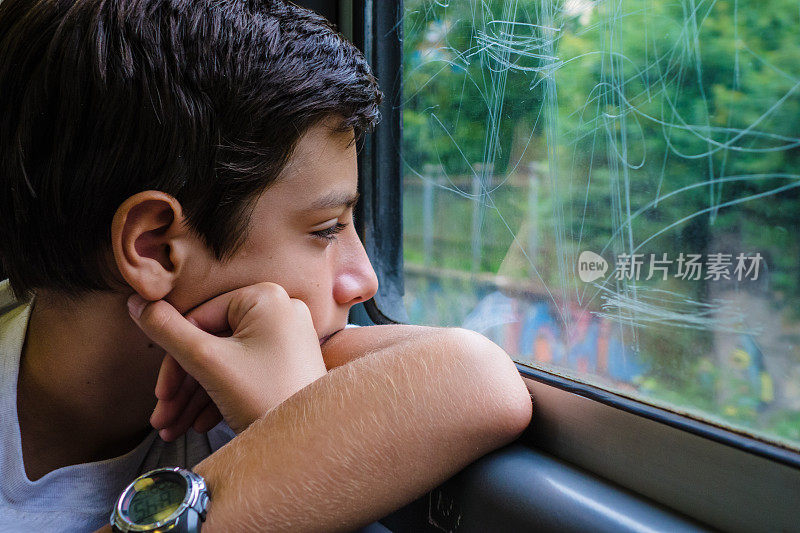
383, 429
352, 343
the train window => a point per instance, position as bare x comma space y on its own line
609, 191
517, 135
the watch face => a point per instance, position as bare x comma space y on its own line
154, 499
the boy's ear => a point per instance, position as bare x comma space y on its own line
150, 243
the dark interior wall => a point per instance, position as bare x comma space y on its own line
327, 8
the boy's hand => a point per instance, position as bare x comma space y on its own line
272, 352
182, 402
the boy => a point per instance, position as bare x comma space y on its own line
178, 182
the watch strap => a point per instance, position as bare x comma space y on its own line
189, 522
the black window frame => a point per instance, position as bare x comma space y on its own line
378, 31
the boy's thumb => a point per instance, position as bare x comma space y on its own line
136, 305
169, 329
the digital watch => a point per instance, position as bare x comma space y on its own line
165, 499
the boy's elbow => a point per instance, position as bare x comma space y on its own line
500, 394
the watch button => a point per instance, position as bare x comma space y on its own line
202, 505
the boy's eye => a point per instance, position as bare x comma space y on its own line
329, 234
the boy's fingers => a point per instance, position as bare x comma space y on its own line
170, 378
212, 315
167, 411
185, 342
207, 419
188, 415
223, 314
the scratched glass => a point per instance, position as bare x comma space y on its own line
609, 191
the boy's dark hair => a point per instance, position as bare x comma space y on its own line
202, 99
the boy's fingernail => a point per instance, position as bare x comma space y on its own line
135, 305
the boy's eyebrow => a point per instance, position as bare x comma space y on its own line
334, 200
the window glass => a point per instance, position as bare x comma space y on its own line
610, 191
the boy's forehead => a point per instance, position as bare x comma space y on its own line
321, 143
321, 173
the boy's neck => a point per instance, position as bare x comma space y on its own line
85, 386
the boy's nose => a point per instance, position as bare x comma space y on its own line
356, 280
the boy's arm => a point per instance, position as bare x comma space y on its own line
351, 343
381, 430
347, 345
354, 443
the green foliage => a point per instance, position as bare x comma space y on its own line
654, 126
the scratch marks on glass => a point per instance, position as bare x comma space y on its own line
610, 126
665, 308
